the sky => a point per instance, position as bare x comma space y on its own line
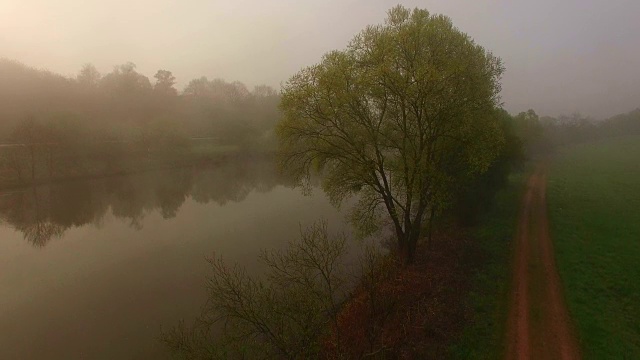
561, 56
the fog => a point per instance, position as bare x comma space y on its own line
561, 57
374, 197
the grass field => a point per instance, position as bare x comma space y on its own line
594, 209
483, 338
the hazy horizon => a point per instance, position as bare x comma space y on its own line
578, 56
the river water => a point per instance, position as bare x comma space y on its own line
94, 269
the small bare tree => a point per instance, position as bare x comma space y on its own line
285, 314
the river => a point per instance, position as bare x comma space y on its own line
93, 269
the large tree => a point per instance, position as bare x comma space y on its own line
399, 118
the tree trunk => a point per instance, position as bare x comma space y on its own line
403, 251
407, 246
432, 215
413, 243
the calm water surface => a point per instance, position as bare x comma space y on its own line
94, 269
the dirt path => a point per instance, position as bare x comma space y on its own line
539, 326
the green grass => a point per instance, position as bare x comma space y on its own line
483, 337
594, 209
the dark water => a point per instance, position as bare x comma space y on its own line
93, 269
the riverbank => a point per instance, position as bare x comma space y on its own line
452, 303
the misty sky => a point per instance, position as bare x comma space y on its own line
562, 56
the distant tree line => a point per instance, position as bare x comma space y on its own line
542, 135
53, 126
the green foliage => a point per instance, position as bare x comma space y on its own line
399, 118
490, 259
530, 130
491, 253
594, 197
477, 194
284, 314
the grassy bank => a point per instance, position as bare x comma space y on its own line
489, 258
594, 207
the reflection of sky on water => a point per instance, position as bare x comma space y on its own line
108, 261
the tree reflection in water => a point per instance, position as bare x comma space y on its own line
45, 212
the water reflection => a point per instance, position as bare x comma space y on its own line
44, 213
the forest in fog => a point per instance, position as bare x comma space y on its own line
93, 124
52, 126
